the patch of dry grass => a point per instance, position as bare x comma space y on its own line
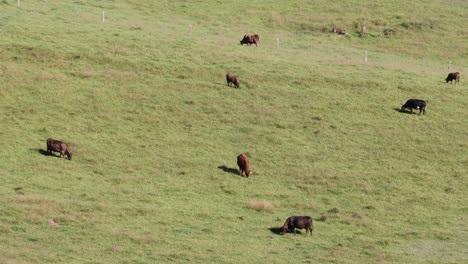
37, 208
261, 205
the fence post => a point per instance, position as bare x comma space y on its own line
365, 56
277, 43
103, 17
18, 3
190, 29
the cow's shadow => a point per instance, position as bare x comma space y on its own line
225, 84
276, 230
404, 111
44, 152
229, 170
279, 231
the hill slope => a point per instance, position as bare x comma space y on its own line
155, 132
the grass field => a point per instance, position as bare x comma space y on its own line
155, 132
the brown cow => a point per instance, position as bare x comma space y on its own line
300, 222
251, 39
453, 76
243, 163
58, 146
339, 31
232, 79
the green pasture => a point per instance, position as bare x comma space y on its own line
142, 100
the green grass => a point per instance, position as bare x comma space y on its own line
151, 122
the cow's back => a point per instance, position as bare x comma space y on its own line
243, 163
53, 145
256, 38
301, 221
231, 78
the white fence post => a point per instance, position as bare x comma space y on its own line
365, 56
277, 43
103, 17
18, 3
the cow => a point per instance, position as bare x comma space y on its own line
244, 166
453, 76
415, 104
232, 79
339, 31
250, 39
58, 146
300, 222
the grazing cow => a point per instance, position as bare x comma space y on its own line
232, 79
58, 146
415, 104
453, 76
300, 222
339, 31
251, 39
243, 163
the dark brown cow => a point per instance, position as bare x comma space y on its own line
250, 39
243, 163
339, 31
453, 76
232, 79
300, 222
58, 146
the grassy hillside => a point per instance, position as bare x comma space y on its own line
155, 132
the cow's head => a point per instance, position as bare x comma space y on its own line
69, 154
248, 172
